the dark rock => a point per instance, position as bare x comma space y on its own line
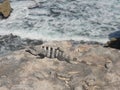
114, 40
113, 43
12, 43
33, 42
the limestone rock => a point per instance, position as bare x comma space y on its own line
96, 68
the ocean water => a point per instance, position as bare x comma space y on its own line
89, 20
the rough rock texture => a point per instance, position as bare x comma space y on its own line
96, 68
113, 43
12, 43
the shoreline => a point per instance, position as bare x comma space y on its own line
82, 66
12, 42
62, 38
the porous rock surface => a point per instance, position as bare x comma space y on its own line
96, 68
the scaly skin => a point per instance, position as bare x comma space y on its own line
49, 52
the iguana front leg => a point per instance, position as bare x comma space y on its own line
34, 52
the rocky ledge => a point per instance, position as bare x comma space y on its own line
12, 42
94, 67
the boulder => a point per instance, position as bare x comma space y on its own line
113, 43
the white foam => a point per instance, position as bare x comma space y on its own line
92, 20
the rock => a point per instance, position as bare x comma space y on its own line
113, 43
78, 88
12, 43
33, 42
95, 68
3, 88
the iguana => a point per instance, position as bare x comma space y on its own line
49, 52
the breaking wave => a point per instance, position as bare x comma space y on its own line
63, 19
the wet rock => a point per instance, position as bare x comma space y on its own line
33, 42
113, 43
12, 43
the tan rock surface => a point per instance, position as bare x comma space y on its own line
96, 68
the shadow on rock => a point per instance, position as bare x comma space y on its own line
114, 40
